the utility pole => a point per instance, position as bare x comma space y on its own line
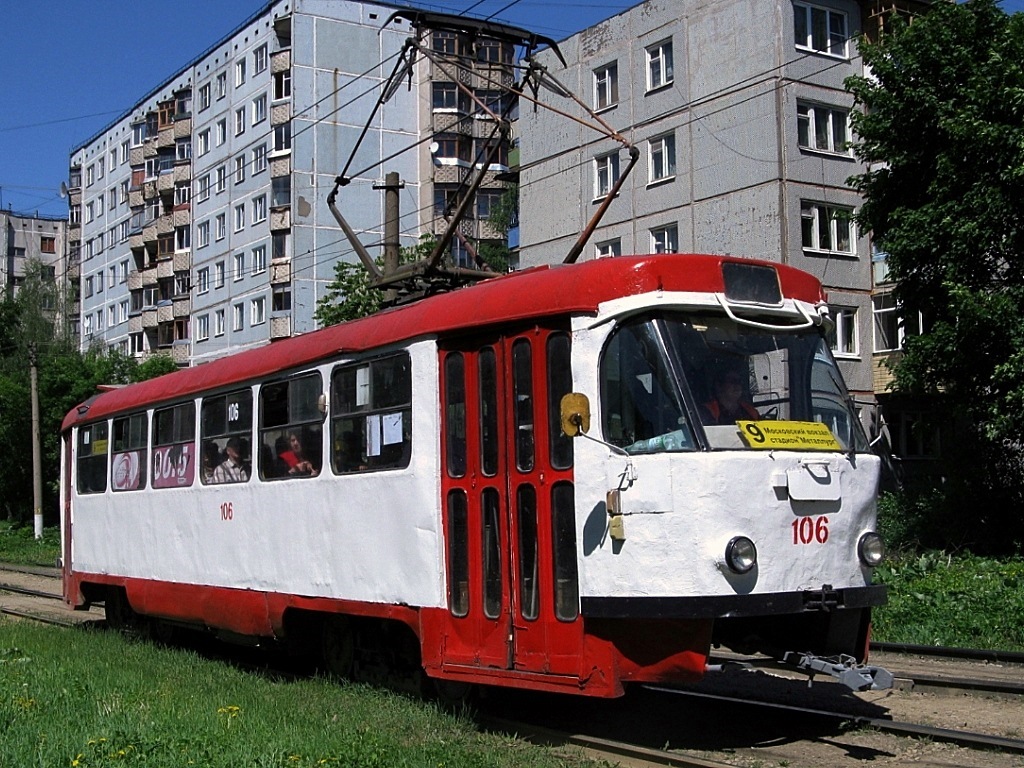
391, 228
37, 462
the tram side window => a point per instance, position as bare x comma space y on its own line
128, 468
458, 554
559, 385
489, 435
529, 585
371, 407
226, 431
455, 414
563, 534
174, 446
522, 389
92, 458
291, 428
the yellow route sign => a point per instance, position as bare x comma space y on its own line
788, 435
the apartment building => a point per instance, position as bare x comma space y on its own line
742, 122
201, 214
25, 238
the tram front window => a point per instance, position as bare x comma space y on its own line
672, 380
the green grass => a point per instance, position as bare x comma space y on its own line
18, 545
952, 600
84, 699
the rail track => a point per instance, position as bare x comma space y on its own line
34, 594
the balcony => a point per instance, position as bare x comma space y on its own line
165, 312
280, 271
149, 318
135, 323
182, 261
181, 307
134, 280
180, 352
280, 165
165, 139
183, 127
280, 218
165, 267
137, 155
280, 327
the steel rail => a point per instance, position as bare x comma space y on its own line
949, 735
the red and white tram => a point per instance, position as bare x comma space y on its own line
401, 491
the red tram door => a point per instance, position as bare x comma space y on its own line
509, 521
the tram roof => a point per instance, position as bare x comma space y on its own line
545, 291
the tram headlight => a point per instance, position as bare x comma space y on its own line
740, 554
871, 549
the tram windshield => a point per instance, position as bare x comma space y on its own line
675, 381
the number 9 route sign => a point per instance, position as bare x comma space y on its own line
788, 435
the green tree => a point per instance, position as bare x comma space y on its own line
350, 296
941, 128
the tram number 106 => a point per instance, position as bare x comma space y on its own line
227, 511
810, 530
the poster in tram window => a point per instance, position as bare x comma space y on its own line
125, 471
174, 466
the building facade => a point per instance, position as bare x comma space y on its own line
201, 214
27, 238
742, 122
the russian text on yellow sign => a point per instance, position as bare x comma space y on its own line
788, 435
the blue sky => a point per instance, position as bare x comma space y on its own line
70, 67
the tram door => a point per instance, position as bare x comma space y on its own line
510, 532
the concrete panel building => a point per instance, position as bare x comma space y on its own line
201, 213
742, 122
25, 238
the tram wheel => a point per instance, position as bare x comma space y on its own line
454, 695
338, 646
119, 612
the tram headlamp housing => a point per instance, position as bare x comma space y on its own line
871, 549
740, 554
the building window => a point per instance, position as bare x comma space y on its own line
259, 59
259, 109
665, 239
280, 191
204, 97
237, 317
608, 248
282, 137
203, 280
239, 121
914, 436
239, 72
259, 209
182, 193
239, 169
279, 245
890, 326
827, 228
823, 128
125, 152
47, 244
202, 327
218, 274
842, 338
123, 272
122, 193
259, 259
662, 158
606, 86
820, 30
239, 266
202, 234
606, 173
222, 131
182, 238
221, 85
202, 143
203, 191
444, 42
257, 311
281, 299
659, 65
222, 179
220, 226
239, 217
282, 85
218, 322
259, 159
446, 96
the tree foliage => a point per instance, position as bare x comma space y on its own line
30, 323
941, 127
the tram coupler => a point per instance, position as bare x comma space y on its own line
845, 669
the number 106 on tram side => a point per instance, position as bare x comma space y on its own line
569, 479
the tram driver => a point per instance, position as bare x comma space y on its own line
728, 404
